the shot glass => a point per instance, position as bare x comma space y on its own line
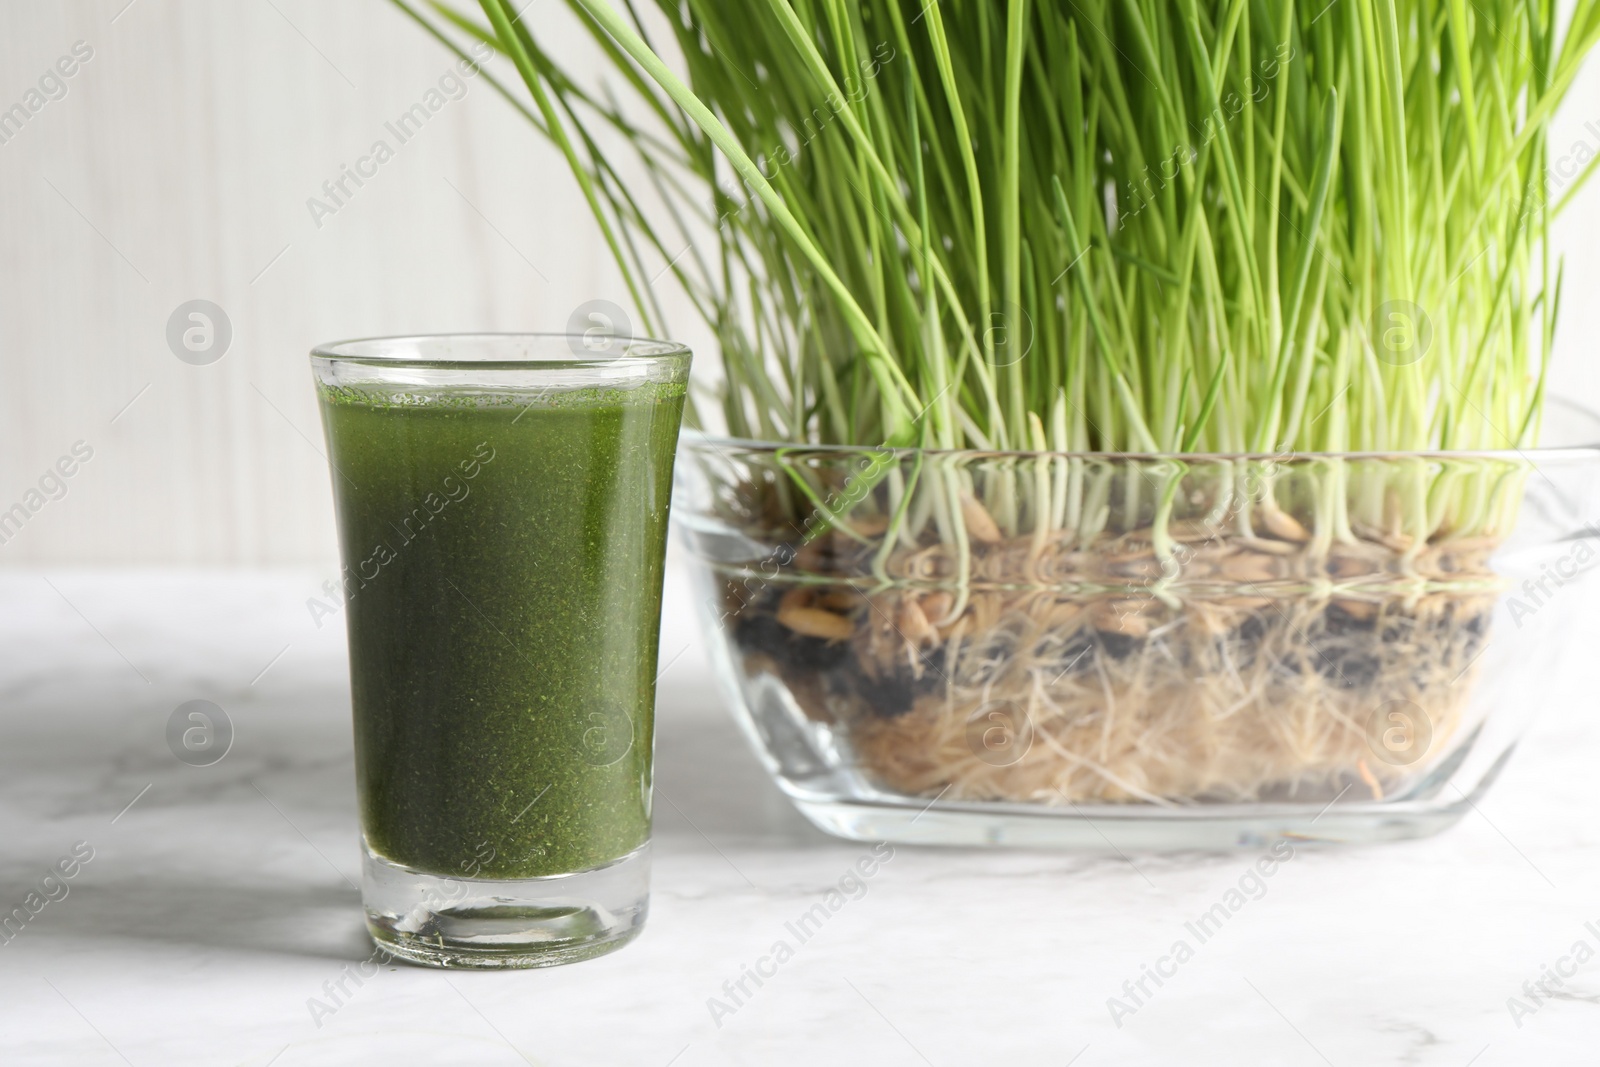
502, 510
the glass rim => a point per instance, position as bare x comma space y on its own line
693, 437
1583, 451
400, 351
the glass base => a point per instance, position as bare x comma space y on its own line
1117, 828
493, 923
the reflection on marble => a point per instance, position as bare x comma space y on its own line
221, 901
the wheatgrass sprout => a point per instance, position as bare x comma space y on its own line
1151, 225
1139, 226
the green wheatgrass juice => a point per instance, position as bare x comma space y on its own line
503, 568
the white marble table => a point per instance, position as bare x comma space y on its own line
219, 902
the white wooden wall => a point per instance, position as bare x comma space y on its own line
177, 166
